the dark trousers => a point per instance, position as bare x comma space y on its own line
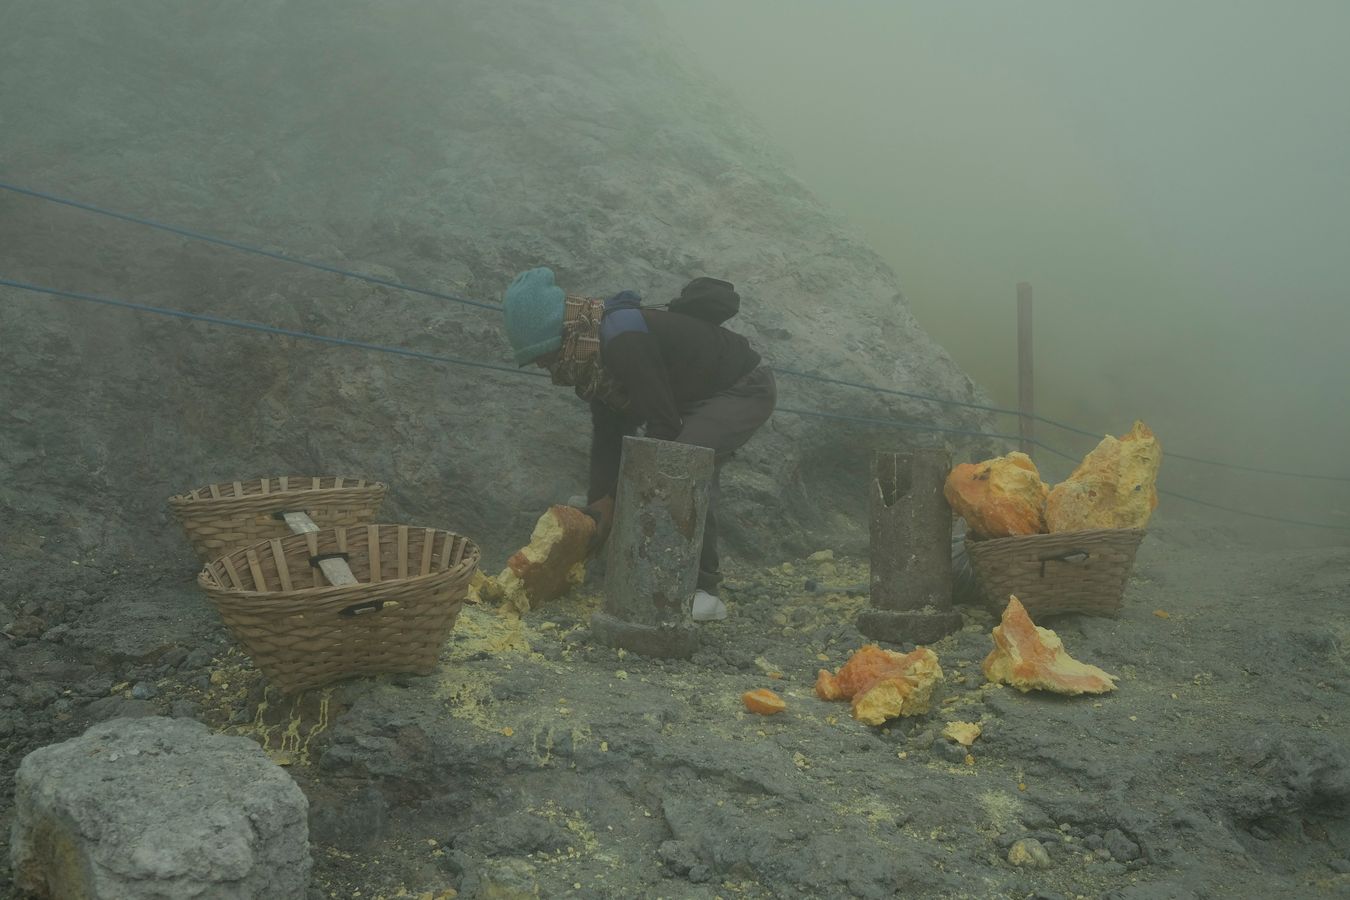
724, 422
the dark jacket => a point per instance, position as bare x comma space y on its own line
665, 361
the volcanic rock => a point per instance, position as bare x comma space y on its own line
153, 808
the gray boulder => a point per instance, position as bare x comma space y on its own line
159, 808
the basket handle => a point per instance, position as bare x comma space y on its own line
369, 606
1076, 556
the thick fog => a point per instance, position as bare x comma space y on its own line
1172, 179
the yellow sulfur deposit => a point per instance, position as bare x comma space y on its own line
483, 589
1113, 487
999, 497
552, 563
1031, 658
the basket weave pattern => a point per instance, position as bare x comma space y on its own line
303, 632
221, 518
1070, 571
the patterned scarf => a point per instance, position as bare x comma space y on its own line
578, 364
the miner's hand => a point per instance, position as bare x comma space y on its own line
602, 511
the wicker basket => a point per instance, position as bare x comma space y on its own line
1071, 571
303, 632
222, 518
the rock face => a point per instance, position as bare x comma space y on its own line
998, 497
1031, 658
1113, 487
447, 146
552, 563
158, 808
883, 684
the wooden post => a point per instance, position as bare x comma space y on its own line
911, 550
1026, 403
651, 568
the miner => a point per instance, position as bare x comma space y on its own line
673, 372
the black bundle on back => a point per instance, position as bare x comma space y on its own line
709, 299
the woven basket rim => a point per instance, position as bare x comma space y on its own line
1044, 538
186, 498
327, 589
472, 556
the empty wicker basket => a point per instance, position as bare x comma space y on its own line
221, 518
303, 632
1070, 571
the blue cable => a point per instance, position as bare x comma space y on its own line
1212, 462
41, 195
1243, 512
881, 390
892, 423
266, 329
417, 354
1070, 428
197, 235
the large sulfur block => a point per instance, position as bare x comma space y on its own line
552, 563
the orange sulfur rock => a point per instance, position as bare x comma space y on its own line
763, 701
827, 688
1029, 658
552, 563
883, 684
1113, 487
999, 497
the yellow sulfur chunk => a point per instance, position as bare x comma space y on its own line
964, 733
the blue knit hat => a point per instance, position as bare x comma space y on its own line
533, 310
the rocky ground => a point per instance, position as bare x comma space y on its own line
450, 146
534, 760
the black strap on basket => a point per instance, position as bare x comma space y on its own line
315, 560
369, 606
1069, 556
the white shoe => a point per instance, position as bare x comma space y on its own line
708, 608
